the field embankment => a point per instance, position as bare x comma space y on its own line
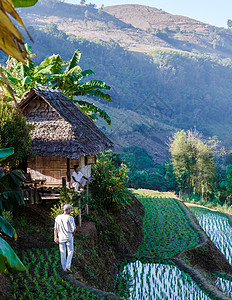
172, 232
100, 244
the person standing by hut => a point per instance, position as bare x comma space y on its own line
64, 231
78, 180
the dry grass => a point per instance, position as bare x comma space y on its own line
153, 194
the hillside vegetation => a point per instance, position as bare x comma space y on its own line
166, 72
139, 28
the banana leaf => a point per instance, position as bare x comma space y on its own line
24, 3
11, 196
4, 153
7, 228
9, 261
10, 201
11, 40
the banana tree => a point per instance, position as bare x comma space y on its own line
11, 196
56, 73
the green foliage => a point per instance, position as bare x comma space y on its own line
165, 221
199, 99
56, 73
11, 196
108, 189
193, 163
4, 153
229, 179
137, 158
144, 173
66, 197
44, 279
160, 177
9, 261
14, 132
7, 228
24, 3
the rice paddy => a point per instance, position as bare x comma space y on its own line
219, 230
44, 279
167, 229
154, 281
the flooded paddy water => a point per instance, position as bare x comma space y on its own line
157, 281
218, 229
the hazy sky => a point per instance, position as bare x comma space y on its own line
215, 12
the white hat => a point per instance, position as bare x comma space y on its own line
67, 206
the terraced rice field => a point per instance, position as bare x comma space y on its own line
219, 230
167, 229
44, 279
153, 281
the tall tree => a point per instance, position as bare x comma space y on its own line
193, 162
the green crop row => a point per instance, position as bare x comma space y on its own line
167, 229
44, 279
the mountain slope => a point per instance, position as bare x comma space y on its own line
136, 27
159, 83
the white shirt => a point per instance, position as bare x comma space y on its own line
65, 226
77, 176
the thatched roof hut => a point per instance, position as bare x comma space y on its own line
61, 130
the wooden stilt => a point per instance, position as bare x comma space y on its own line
68, 171
79, 216
63, 182
87, 204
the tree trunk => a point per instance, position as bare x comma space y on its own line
202, 192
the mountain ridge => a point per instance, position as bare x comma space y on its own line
135, 27
162, 73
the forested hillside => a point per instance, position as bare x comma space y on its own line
166, 83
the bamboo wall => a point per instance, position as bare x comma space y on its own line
53, 168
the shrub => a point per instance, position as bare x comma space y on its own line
14, 132
108, 189
66, 197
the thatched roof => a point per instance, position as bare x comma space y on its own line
61, 129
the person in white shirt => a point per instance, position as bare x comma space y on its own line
64, 230
78, 180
